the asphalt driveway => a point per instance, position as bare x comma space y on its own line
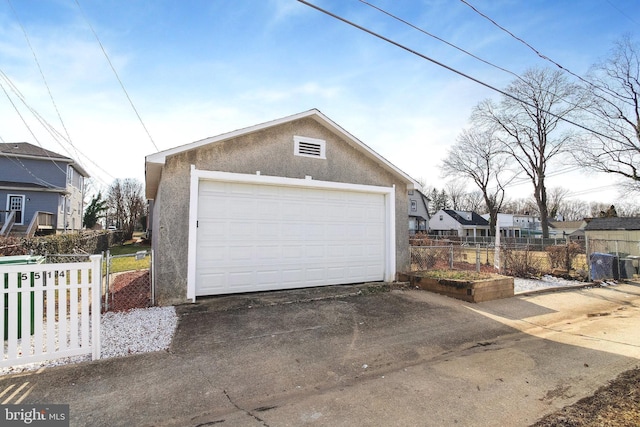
357, 355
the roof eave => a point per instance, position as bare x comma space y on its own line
155, 161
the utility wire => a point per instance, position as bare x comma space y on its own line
460, 73
52, 131
622, 13
466, 52
35, 58
116, 74
537, 52
440, 39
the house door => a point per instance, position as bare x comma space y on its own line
16, 203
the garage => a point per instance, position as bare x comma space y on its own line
289, 203
258, 233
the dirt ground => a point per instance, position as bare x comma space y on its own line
615, 405
130, 290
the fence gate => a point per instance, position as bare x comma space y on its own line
129, 281
50, 311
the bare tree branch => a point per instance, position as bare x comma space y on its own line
531, 125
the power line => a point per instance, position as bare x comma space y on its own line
476, 56
537, 52
48, 127
27, 125
458, 72
35, 58
590, 190
622, 13
440, 39
116, 74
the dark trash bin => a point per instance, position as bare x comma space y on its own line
603, 266
626, 268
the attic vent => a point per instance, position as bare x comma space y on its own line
309, 147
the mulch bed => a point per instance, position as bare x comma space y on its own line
130, 290
615, 405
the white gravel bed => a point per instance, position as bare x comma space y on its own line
140, 330
547, 282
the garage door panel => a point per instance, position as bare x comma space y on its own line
267, 253
254, 237
240, 278
292, 275
315, 252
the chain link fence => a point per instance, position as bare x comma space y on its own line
448, 257
127, 281
513, 258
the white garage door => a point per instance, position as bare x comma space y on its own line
255, 237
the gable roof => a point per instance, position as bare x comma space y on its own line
616, 223
154, 162
26, 150
467, 217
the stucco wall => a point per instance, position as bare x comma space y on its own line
270, 151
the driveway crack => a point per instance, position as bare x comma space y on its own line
246, 411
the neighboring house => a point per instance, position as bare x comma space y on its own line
531, 226
572, 229
447, 222
418, 212
40, 191
291, 203
506, 224
617, 228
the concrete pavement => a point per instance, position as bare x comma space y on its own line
357, 355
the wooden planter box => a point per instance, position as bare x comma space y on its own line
467, 290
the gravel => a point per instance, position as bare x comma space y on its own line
548, 282
140, 330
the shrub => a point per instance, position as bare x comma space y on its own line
562, 256
89, 242
520, 262
10, 245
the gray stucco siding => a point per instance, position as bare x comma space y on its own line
270, 151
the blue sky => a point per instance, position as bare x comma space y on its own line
195, 69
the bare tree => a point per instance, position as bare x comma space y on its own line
555, 200
126, 204
477, 156
628, 209
530, 125
473, 202
614, 147
456, 192
574, 210
525, 206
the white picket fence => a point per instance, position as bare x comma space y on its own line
50, 311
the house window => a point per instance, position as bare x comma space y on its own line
414, 206
309, 147
69, 175
440, 217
